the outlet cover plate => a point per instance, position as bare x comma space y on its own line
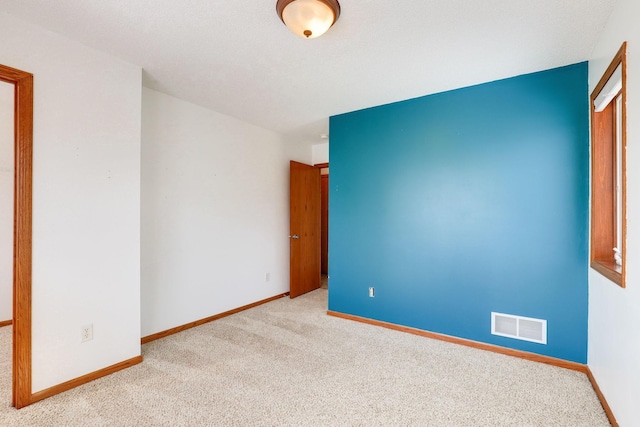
86, 333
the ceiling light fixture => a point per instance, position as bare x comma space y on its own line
308, 18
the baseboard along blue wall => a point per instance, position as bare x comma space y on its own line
465, 202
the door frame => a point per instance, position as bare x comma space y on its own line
22, 232
324, 253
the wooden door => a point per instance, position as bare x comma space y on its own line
304, 229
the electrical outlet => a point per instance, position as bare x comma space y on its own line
86, 333
372, 292
267, 277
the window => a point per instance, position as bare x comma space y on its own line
608, 171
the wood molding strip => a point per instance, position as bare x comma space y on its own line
6, 323
22, 240
623, 52
574, 366
66, 386
603, 401
22, 232
190, 325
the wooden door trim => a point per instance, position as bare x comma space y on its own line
321, 165
324, 223
22, 234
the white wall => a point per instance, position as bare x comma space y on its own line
215, 217
320, 153
86, 202
614, 313
6, 200
299, 151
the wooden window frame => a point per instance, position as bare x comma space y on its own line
603, 177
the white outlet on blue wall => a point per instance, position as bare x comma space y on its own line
372, 292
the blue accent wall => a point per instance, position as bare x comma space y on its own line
465, 202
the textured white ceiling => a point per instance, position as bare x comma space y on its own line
236, 57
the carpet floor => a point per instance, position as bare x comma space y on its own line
287, 363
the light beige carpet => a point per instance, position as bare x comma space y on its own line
287, 363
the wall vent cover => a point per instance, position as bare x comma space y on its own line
519, 327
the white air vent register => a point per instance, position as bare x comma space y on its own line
518, 327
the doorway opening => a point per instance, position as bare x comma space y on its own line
307, 215
324, 224
22, 83
6, 234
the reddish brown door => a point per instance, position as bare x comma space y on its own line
304, 229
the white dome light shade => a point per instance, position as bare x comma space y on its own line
308, 18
